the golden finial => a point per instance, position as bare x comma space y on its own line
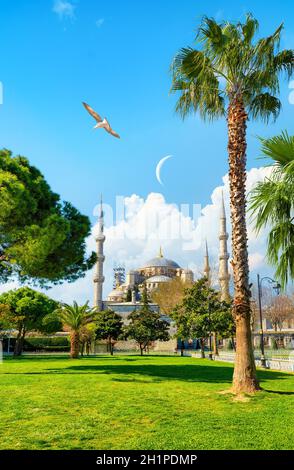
160, 253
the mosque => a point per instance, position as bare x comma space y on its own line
155, 272
125, 297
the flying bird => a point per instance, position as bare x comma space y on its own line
101, 123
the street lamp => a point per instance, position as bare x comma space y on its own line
277, 287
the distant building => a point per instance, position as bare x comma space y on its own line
126, 295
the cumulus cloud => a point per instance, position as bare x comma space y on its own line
64, 9
150, 223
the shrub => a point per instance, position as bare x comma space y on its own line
55, 343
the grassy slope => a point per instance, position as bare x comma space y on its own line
134, 403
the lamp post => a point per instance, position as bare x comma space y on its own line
277, 287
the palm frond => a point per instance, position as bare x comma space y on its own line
284, 62
280, 149
249, 28
265, 106
281, 251
230, 62
272, 205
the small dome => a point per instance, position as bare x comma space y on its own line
116, 293
158, 279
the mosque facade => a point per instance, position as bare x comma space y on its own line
126, 295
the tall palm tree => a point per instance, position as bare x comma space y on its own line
272, 204
236, 76
74, 318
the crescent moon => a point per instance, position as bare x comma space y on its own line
159, 167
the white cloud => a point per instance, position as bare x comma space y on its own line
100, 22
64, 9
152, 222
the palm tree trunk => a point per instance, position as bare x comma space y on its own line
245, 379
74, 344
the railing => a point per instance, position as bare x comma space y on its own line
285, 364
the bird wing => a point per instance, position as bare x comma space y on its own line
93, 113
115, 134
109, 129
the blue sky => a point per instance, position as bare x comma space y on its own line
116, 56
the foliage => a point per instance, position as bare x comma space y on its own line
47, 343
109, 327
74, 319
146, 325
201, 313
27, 309
129, 296
279, 311
272, 205
42, 239
5, 319
228, 63
169, 294
87, 336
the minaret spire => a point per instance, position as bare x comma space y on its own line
206, 263
160, 253
99, 278
224, 276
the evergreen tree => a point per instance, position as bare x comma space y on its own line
109, 327
26, 309
41, 238
201, 314
146, 325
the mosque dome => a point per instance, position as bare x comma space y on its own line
161, 262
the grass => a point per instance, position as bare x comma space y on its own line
128, 402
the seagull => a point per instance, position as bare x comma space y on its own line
101, 123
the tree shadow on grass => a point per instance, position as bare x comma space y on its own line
133, 369
277, 392
133, 372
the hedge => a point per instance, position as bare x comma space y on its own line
55, 343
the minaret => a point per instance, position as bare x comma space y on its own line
99, 278
224, 276
160, 253
206, 269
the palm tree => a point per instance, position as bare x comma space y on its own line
74, 318
236, 76
272, 204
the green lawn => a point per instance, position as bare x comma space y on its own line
128, 402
